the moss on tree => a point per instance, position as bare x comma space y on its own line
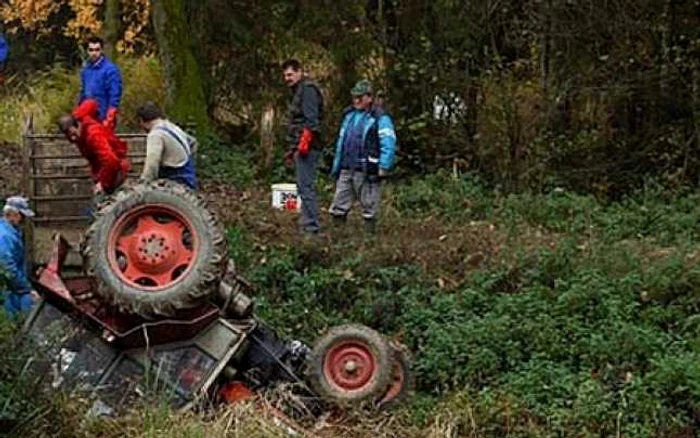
186, 100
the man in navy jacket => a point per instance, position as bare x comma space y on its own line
101, 80
364, 153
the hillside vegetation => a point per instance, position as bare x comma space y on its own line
527, 315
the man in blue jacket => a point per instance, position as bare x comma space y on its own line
4, 51
19, 296
101, 80
364, 153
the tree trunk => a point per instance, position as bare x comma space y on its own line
185, 98
666, 97
545, 45
696, 113
267, 135
111, 27
665, 49
545, 61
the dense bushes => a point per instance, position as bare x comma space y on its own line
597, 333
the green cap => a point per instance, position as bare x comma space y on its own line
361, 88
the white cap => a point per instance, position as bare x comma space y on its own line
19, 204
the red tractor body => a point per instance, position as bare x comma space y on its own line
157, 307
217, 351
96, 348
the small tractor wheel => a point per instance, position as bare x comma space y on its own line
401, 380
350, 364
154, 249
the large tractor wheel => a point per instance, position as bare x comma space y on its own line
155, 249
351, 364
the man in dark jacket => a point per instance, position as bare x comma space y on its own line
303, 139
101, 80
19, 295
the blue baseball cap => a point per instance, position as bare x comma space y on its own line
19, 204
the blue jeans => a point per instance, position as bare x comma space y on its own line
17, 304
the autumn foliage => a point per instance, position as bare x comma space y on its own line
75, 18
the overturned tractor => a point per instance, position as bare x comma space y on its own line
159, 309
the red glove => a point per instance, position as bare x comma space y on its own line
110, 121
305, 142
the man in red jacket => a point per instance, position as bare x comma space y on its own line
104, 151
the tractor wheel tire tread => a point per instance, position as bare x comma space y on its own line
200, 281
380, 349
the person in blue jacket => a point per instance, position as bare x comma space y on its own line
19, 295
101, 80
364, 154
4, 52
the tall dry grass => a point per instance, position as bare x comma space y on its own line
250, 420
54, 91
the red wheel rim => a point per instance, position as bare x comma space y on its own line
398, 380
152, 247
350, 366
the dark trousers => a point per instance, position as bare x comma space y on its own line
306, 186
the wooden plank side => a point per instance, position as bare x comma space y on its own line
56, 146
28, 185
58, 182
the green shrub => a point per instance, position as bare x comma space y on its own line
593, 329
47, 95
462, 198
143, 80
54, 91
573, 339
224, 163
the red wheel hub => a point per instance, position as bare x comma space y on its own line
152, 247
350, 365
